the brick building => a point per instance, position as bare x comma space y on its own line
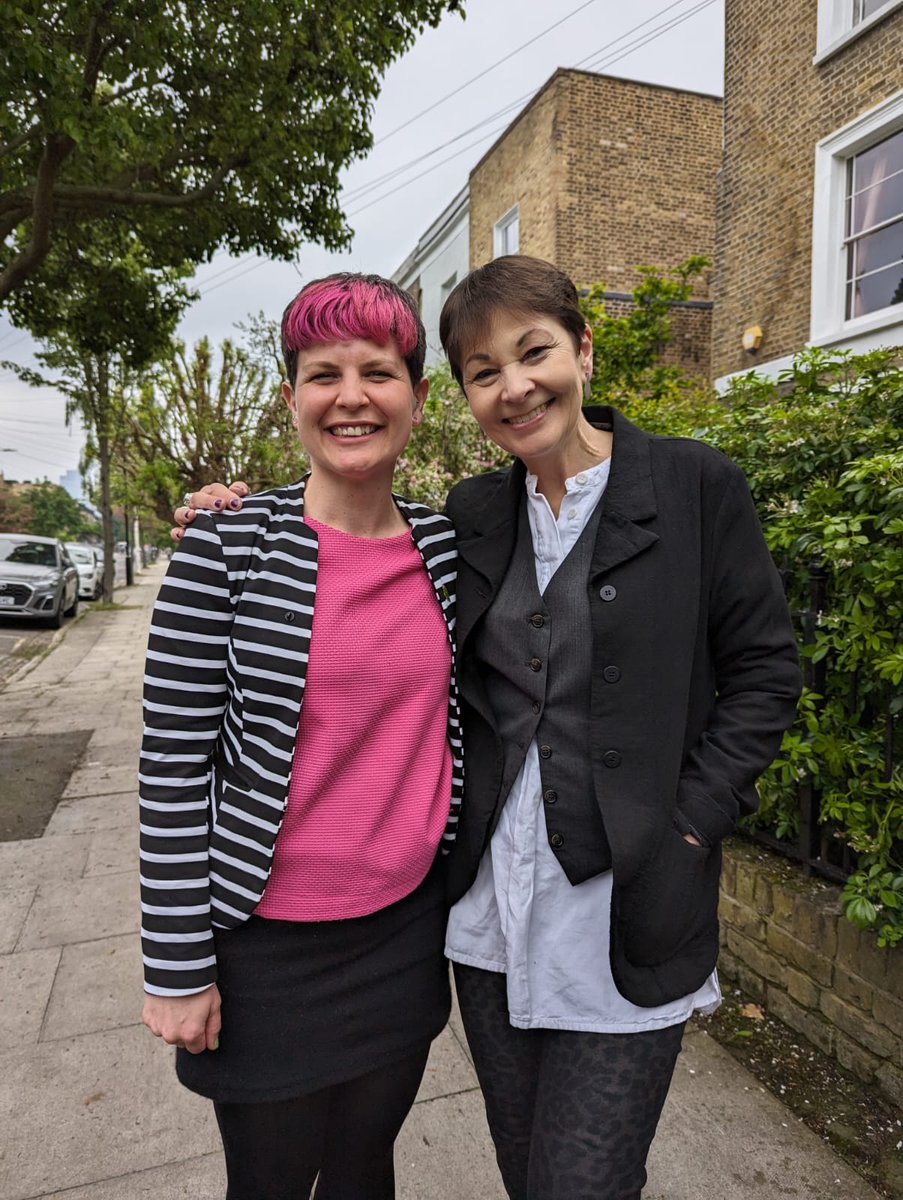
810, 203
598, 175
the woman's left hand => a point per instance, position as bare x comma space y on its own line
190, 1021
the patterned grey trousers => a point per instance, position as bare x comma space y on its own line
572, 1115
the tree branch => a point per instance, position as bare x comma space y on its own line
56, 151
70, 196
20, 139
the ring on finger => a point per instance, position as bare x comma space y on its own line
186, 499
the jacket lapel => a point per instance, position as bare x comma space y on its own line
629, 499
483, 558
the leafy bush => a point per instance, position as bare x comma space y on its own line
822, 448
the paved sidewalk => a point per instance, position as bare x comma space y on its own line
89, 1105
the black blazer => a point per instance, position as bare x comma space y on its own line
686, 603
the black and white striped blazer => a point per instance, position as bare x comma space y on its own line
226, 665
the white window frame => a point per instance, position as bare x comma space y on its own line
828, 323
504, 222
836, 28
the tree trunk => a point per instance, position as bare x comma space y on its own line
106, 516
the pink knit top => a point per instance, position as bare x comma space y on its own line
371, 777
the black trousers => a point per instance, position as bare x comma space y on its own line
572, 1115
342, 1136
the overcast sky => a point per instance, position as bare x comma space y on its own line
508, 48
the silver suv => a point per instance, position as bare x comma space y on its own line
37, 579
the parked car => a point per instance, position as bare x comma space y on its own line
38, 579
89, 565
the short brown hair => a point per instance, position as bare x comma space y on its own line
514, 283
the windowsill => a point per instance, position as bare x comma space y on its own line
860, 327
860, 336
851, 35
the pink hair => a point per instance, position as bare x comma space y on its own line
343, 307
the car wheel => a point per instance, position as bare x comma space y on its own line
56, 620
72, 610
98, 590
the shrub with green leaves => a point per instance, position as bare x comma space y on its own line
822, 448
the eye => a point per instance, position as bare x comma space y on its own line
484, 376
536, 352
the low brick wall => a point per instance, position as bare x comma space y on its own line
785, 943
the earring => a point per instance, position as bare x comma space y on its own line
588, 387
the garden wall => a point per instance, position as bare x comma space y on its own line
785, 943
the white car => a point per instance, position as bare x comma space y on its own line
89, 565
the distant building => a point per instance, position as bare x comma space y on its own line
598, 175
435, 265
810, 206
72, 482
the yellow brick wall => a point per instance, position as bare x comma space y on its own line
523, 167
609, 174
777, 106
639, 179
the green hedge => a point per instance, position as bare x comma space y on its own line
822, 448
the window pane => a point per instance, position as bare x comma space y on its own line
870, 6
876, 163
878, 203
875, 291
876, 250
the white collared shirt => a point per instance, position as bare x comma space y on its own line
522, 916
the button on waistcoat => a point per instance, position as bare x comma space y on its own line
535, 652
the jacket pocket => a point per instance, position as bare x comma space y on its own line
669, 901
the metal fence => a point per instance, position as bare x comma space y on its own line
817, 847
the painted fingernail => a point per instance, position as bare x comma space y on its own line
217, 504
234, 503
216, 1044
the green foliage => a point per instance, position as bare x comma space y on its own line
822, 448
45, 509
627, 349
447, 446
192, 125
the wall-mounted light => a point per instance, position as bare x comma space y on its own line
752, 339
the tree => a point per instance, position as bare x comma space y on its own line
102, 314
196, 420
194, 125
51, 512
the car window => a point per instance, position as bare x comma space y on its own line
77, 554
37, 554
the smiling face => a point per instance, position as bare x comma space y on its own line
524, 382
354, 407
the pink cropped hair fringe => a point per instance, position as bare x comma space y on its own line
345, 306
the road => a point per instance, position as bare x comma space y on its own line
22, 640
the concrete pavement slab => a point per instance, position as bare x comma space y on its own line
27, 864
198, 1179
444, 1152
113, 850
103, 781
98, 985
722, 1135
82, 910
95, 1108
14, 906
448, 1070
85, 814
25, 983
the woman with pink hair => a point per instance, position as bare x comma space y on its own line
300, 775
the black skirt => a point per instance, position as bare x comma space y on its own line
310, 1004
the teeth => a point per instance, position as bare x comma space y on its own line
522, 420
353, 430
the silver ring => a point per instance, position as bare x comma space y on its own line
186, 499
